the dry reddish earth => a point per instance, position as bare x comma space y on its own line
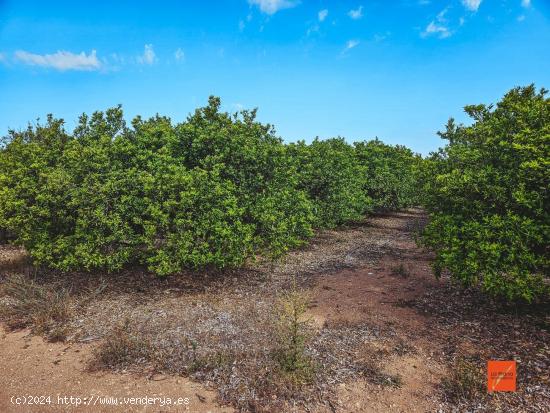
370, 294
31, 366
371, 274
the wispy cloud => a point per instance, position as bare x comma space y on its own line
350, 44
61, 60
526, 3
273, 6
179, 54
471, 5
243, 22
148, 57
438, 27
356, 14
115, 57
316, 27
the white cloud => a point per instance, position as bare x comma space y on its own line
273, 6
526, 3
179, 54
356, 14
438, 27
471, 5
323, 15
435, 28
61, 60
241, 25
113, 62
149, 57
115, 57
350, 44
2, 57
521, 18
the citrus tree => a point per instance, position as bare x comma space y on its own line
488, 196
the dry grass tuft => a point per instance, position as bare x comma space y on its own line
465, 382
400, 271
122, 348
44, 308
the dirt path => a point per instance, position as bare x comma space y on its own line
370, 295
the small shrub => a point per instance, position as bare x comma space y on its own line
465, 382
44, 308
293, 332
401, 271
121, 348
58, 333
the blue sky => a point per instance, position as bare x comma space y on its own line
359, 69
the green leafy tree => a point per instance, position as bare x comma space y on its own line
488, 195
250, 156
332, 177
390, 174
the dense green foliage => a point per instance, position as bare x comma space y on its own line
331, 175
213, 191
488, 194
390, 174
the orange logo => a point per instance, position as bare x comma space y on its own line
501, 376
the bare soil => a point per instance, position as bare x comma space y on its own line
385, 334
32, 366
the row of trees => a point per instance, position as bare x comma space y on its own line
213, 191
219, 189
